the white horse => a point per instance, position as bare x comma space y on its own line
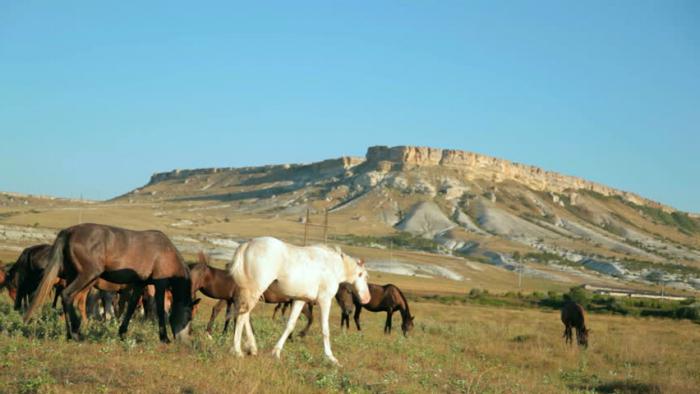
310, 273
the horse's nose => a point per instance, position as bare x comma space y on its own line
365, 298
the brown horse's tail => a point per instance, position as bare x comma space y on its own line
50, 274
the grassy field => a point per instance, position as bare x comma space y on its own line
454, 348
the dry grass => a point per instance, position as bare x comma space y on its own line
453, 349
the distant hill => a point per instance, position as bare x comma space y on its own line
469, 204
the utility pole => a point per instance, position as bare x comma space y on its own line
325, 228
391, 251
306, 227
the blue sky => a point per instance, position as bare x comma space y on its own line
96, 97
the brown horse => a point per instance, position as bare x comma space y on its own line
25, 274
84, 253
387, 298
345, 298
5, 283
219, 284
573, 315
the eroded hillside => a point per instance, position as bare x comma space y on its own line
466, 204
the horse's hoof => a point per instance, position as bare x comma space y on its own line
211, 338
165, 340
236, 353
276, 353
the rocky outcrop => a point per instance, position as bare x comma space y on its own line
475, 166
379, 160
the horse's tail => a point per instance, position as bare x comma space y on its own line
237, 257
50, 273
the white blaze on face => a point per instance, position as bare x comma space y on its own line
361, 287
184, 334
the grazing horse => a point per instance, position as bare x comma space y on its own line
25, 275
572, 315
387, 298
219, 284
346, 300
84, 253
6, 283
310, 273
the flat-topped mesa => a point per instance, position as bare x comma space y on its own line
476, 166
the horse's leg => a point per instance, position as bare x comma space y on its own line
274, 312
245, 302
160, 285
251, 346
136, 292
293, 316
81, 301
214, 313
68, 295
325, 304
343, 316
107, 298
358, 310
567, 334
387, 325
229, 313
308, 311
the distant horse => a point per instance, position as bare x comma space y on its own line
86, 252
310, 273
219, 284
573, 315
387, 298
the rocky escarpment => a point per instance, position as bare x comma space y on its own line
382, 159
473, 166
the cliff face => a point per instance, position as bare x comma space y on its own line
476, 166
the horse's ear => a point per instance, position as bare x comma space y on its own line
202, 257
412, 317
360, 262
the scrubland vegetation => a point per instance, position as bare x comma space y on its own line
470, 347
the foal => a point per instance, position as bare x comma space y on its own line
572, 315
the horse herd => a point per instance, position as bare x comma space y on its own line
144, 267
137, 266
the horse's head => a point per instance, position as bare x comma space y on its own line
407, 325
357, 275
181, 316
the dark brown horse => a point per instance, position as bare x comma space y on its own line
25, 274
84, 253
219, 284
387, 298
345, 298
573, 315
